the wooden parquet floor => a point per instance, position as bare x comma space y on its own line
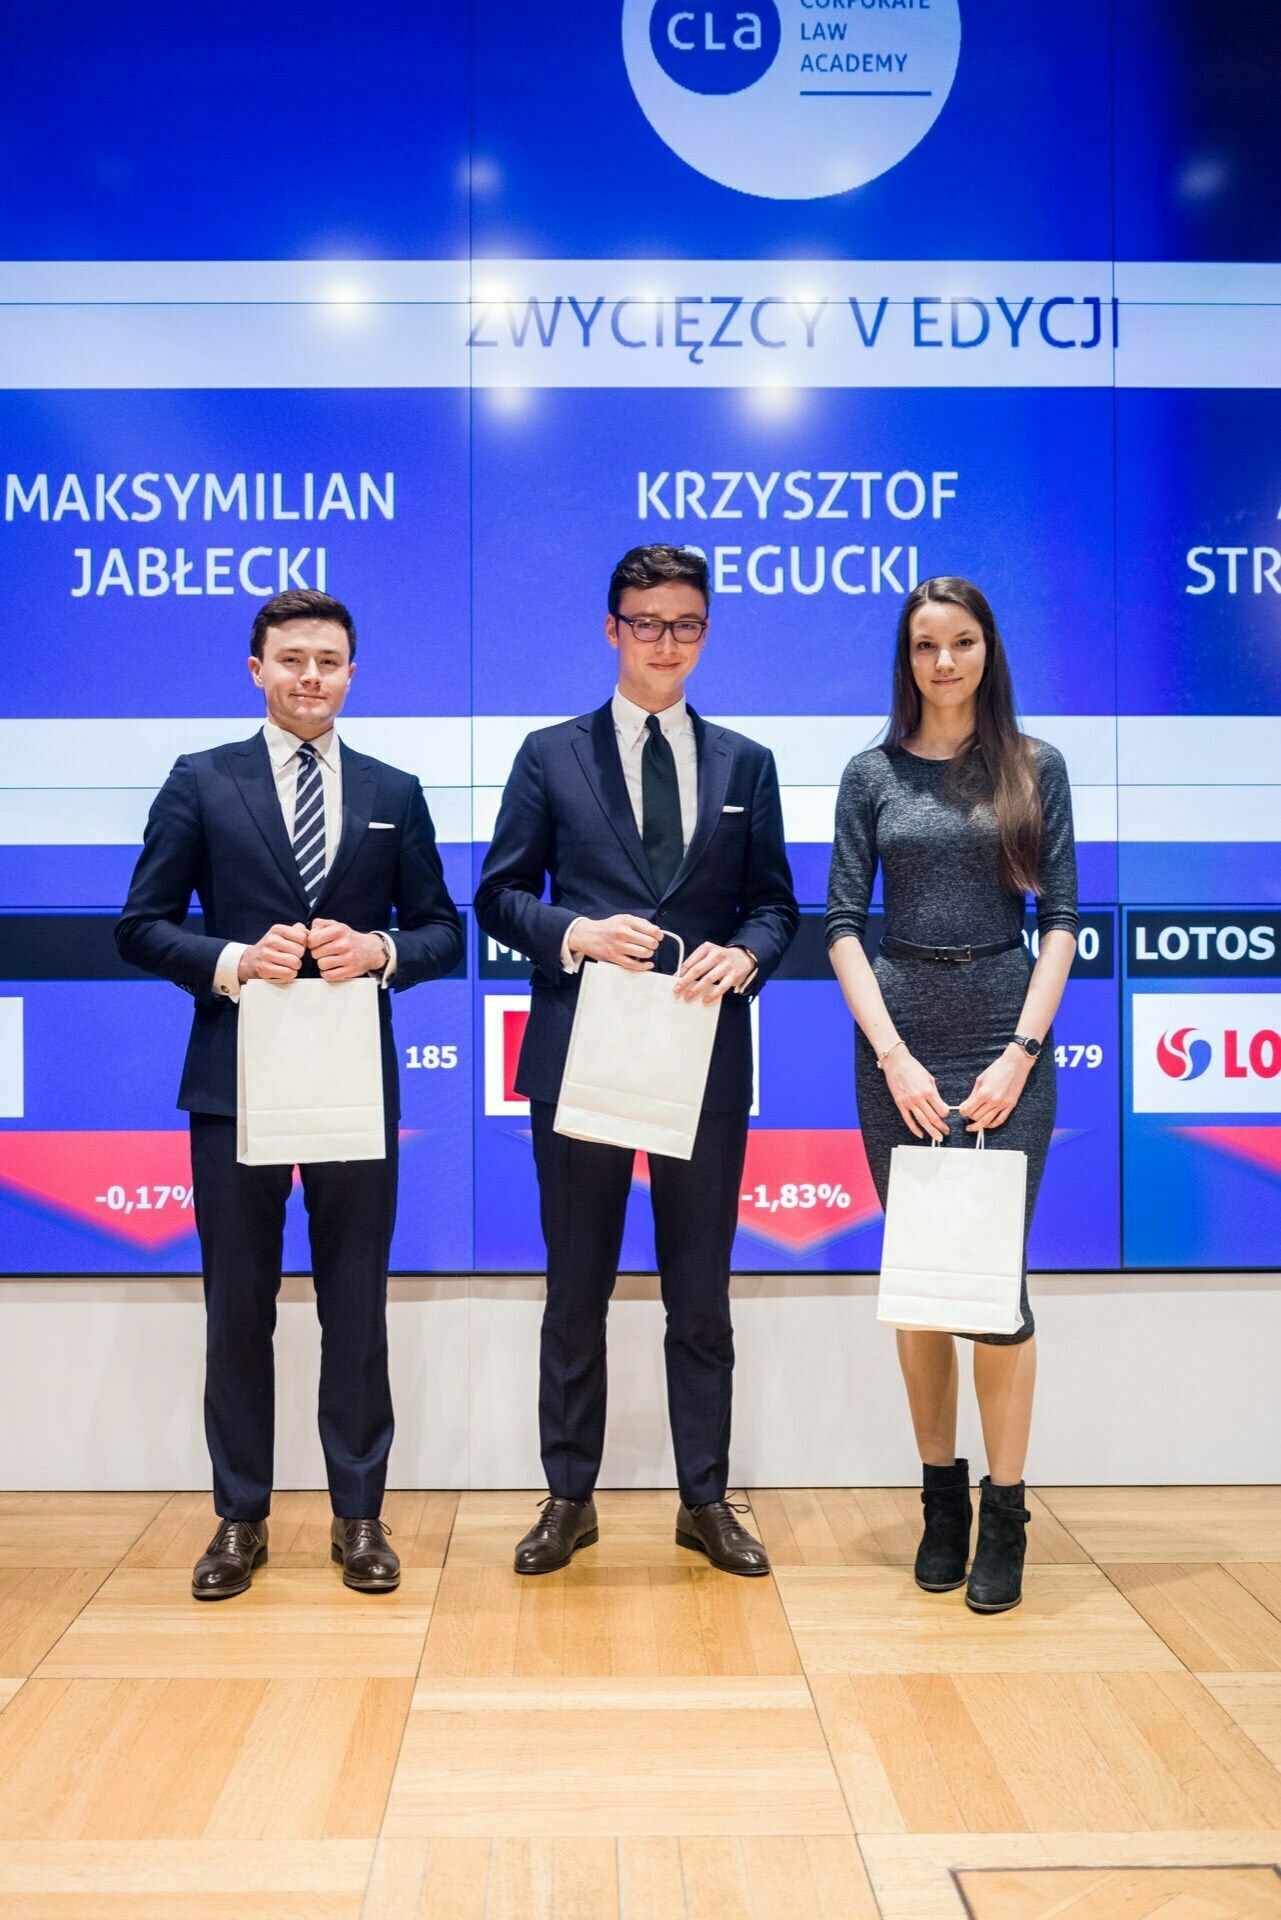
640, 1737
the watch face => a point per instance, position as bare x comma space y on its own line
1032, 1047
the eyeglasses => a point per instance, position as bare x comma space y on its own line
647, 629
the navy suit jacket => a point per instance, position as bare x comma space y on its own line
566, 814
216, 829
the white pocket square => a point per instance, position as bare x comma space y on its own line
732, 809
388, 826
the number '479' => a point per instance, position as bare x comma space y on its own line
1091, 1056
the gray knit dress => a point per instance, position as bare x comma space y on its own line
942, 887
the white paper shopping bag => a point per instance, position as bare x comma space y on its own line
953, 1254
638, 1059
310, 1078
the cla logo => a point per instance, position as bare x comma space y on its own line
1181, 1060
715, 49
790, 99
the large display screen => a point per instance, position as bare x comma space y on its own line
843, 295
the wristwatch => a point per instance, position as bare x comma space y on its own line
1032, 1048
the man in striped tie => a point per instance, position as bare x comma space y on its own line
298, 850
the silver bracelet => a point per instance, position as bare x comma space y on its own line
882, 1057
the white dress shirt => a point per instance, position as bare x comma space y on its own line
678, 730
283, 750
630, 731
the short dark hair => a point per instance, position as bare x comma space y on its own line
656, 567
303, 603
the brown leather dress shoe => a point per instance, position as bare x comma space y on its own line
227, 1564
713, 1530
555, 1537
368, 1563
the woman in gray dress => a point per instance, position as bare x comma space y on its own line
966, 815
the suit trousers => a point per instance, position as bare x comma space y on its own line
583, 1190
240, 1215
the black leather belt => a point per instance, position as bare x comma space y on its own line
908, 950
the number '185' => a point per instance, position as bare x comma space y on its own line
431, 1056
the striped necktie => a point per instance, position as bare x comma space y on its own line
309, 823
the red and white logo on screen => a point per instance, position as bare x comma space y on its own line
11, 1087
506, 1015
1207, 1052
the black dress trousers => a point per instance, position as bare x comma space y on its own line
583, 1190
240, 1214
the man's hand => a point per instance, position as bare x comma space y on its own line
994, 1095
277, 956
342, 953
624, 940
714, 971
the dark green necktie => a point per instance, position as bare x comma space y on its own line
660, 807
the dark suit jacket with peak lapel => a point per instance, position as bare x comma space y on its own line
566, 815
216, 829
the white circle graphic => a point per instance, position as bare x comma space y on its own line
853, 86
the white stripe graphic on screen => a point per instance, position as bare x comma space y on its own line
814, 749
1198, 749
1247, 814
450, 751
392, 324
11, 1074
61, 773
290, 324
95, 753
116, 816
1182, 283
89, 816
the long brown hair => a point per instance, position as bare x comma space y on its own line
995, 764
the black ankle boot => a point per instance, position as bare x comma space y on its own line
944, 1552
996, 1578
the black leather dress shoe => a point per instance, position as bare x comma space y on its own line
368, 1563
713, 1530
562, 1528
227, 1564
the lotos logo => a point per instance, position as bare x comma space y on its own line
791, 99
1220, 1054
1180, 1060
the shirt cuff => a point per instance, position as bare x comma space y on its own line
388, 973
747, 984
226, 980
570, 962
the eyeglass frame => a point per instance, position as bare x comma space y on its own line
668, 626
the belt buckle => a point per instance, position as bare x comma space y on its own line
963, 958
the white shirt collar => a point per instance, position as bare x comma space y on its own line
630, 719
282, 745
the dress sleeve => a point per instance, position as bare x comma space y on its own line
853, 869
1056, 901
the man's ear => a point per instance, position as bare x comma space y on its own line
255, 669
611, 630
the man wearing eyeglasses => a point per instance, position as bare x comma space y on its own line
647, 820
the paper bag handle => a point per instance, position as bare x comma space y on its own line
938, 1143
669, 935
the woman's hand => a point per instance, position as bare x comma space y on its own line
915, 1094
995, 1094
